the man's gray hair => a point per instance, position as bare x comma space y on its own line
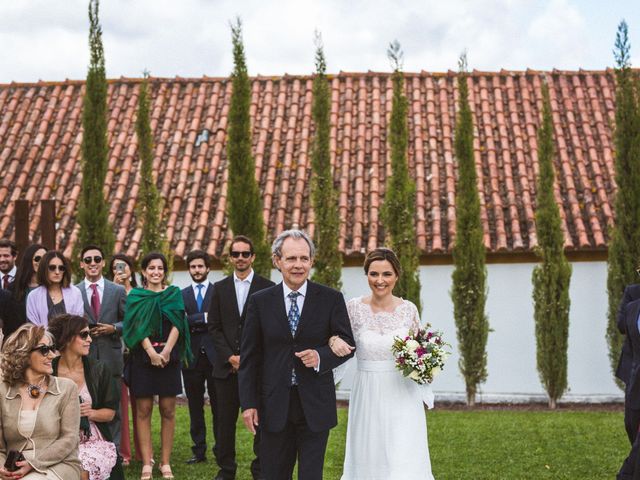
276, 246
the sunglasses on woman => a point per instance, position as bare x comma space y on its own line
45, 349
37, 258
60, 268
84, 334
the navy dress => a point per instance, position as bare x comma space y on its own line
147, 380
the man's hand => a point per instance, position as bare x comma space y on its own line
234, 360
250, 418
310, 358
103, 329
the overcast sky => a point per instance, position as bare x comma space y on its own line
47, 39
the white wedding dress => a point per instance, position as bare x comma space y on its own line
387, 430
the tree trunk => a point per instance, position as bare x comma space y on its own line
552, 403
471, 399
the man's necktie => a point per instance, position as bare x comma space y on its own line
294, 319
95, 301
199, 297
5, 281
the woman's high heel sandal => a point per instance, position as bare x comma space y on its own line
166, 472
147, 472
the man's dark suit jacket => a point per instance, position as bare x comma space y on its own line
267, 354
632, 392
200, 336
225, 322
631, 293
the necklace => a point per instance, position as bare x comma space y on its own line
35, 390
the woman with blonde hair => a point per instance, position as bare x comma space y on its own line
39, 413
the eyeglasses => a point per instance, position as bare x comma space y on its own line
84, 334
37, 258
44, 349
96, 259
244, 254
638, 270
60, 268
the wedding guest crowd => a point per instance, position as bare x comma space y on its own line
63, 355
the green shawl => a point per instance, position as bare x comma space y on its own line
143, 317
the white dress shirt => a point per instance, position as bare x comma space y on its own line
89, 290
242, 289
194, 285
299, 300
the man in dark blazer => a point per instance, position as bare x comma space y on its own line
226, 318
623, 371
286, 378
104, 307
198, 375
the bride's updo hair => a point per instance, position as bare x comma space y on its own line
379, 255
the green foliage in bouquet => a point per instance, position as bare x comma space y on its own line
421, 354
552, 277
624, 246
399, 208
324, 197
469, 291
244, 208
93, 209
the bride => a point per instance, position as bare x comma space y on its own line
387, 430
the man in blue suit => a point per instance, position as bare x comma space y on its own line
198, 375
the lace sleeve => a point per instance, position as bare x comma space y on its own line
415, 317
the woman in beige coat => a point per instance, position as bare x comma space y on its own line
39, 413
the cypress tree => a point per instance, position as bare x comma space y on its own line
550, 278
469, 276
93, 209
624, 246
399, 208
328, 260
244, 207
150, 203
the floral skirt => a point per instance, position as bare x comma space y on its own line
98, 457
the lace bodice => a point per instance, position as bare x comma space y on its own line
374, 332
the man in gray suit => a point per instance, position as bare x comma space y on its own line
104, 306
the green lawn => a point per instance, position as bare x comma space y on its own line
481, 444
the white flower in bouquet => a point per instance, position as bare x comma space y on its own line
421, 354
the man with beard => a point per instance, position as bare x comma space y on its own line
226, 320
8, 254
197, 376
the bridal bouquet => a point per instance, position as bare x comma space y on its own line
421, 354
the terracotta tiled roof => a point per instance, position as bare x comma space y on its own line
40, 136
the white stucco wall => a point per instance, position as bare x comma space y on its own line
511, 346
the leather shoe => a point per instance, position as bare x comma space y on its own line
196, 459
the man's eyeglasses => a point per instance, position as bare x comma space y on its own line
96, 259
60, 268
84, 334
237, 254
37, 258
44, 349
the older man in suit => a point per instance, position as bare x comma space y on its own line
198, 375
104, 306
226, 318
286, 373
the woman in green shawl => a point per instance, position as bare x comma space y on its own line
155, 329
